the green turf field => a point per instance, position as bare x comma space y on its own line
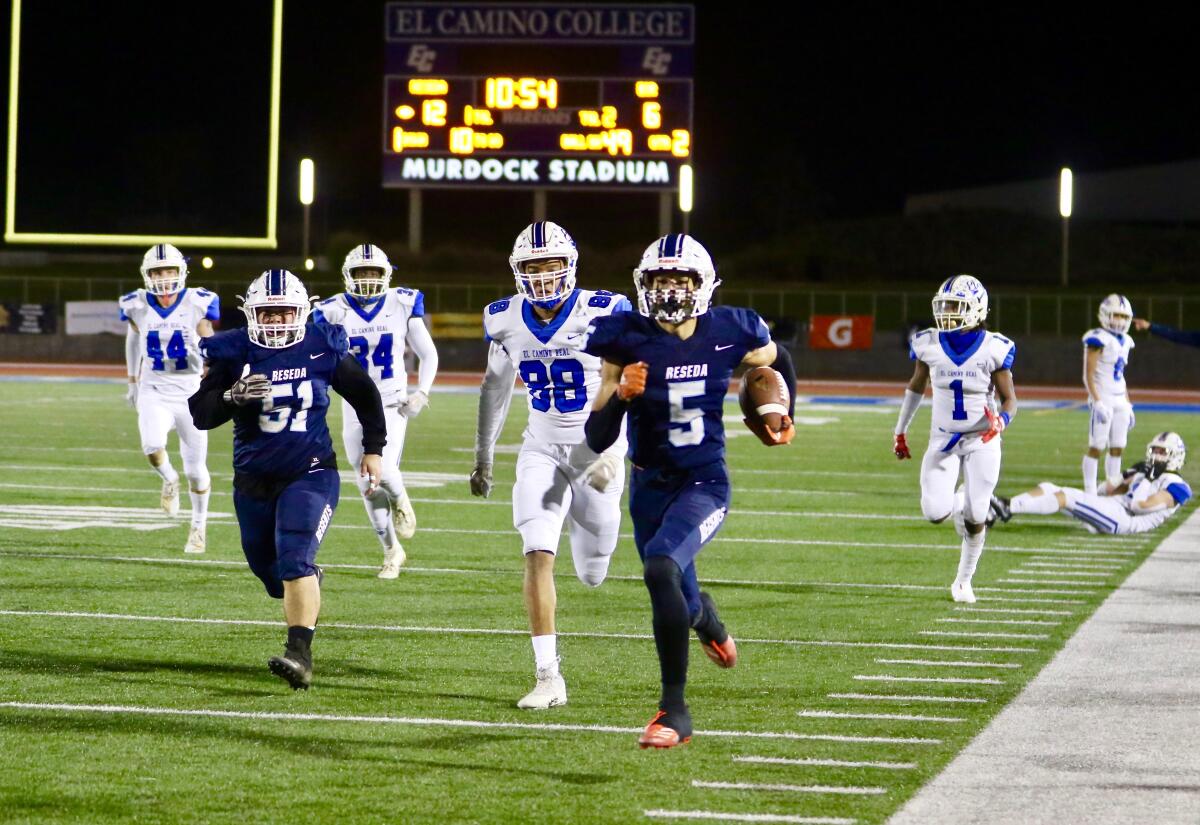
133, 685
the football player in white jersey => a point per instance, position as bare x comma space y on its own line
1150, 493
968, 366
166, 320
537, 334
1106, 351
379, 319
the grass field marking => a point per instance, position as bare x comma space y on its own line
995, 599
948, 663
890, 717
939, 680
1089, 574
826, 763
662, 813
1057, 557
897, 697
973, 634
1041, 590
432, 721
1016, 610
1075, 565
1033, 622
851, 790
1055, 582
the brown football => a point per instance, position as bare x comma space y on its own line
765, 396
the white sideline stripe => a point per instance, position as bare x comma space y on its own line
1002, 621
946, 663
946, 680
660, 813
487, 631
895, 697
827, 763
1107, 558
1017, 610
893, 717
760, 786
433, 722
1020, 571
1055, 582
1076, 565
1047, 591
971, 634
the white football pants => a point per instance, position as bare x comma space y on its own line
158, 414
980, 465
1101, 514
1115, 433
552, 487
352, 433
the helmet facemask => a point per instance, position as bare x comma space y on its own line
673, 303
550, 284
1165, 454
276, 334
165, 280
367, 282
950, 312
1116, 314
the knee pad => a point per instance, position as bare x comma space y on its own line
272, 582
594, 571
536, 534
935, 510
1048, 488
661, 573
200, 481
148, 450
292, 567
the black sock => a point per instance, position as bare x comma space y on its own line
708, 624
671, 625
300, 637
672, 698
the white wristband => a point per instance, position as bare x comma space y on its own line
908, 409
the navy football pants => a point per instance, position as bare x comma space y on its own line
280, 536
676, 516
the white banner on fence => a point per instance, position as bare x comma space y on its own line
89, 317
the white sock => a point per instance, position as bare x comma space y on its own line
167, 471
545, 651
1090, 466
1042, 505
199, 508
972, 549
381, 518
1112, 469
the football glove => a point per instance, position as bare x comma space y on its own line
131, 394
1102, 411
633, 381
768, 436
603, 470
413, 405
249, 389
996, 425
900, 447
481, 480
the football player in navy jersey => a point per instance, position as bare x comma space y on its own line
669, 367
273, 379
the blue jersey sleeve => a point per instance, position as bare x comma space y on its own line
1180, 491
334, 335
604, 338
1093, 341
1008, 359
623, 305
213, 313
753, 328
418, 310
225, 346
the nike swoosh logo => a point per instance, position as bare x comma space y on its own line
319, 354
573, 337
718, 348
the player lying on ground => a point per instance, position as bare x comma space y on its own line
379, 320
537, 333
669, 366
273, 379
965, 363
1149, 494
1106, 352
166, 320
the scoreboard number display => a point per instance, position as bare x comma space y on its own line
537, 96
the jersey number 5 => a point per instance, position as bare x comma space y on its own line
687, 423
275, 418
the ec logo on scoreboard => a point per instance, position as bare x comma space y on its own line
421, 57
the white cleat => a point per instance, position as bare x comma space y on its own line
962, 592
549, 692
392, 562
170, 498
195, 542
403, 517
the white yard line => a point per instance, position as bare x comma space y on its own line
891, 717
1055, 582
1017, 610
1036, 622
826, 763
946, 663
850, 790
896, 697
971, 634
940, 680
1088, 574
660, 813
1075, 565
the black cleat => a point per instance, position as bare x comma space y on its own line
717, 643
1000, 509
294, 666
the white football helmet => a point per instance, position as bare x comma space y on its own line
276, 288
1171, 459
675, 253
1116, 314
163, 256
366, 256
961, 302
540, 241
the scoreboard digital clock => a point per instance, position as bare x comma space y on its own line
537, 96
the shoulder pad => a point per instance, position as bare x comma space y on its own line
334, 335
496, 307
225, 346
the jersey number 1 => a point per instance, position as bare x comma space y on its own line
960, 411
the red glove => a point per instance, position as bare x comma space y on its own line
996, 426
633, 381
900, 447
768, 436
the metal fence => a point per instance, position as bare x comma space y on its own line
1012, 312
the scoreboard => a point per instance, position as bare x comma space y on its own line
530, 95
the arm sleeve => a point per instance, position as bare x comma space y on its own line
208, 408
783, 363
1179, 336
604, 425
495, 397
213, 313
422, 346
352, 382
908, 410
133, 352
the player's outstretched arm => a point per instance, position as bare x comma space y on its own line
1152, 504
618, 386
778, 358
427, 357
211, 405
495, 397
353, 383
1189, 338
913, 394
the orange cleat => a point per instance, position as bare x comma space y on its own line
718, 645
723, 654
667, 731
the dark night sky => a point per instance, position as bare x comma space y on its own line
834, 114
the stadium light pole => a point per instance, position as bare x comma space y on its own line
1065, 195
307, 185
686, 193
